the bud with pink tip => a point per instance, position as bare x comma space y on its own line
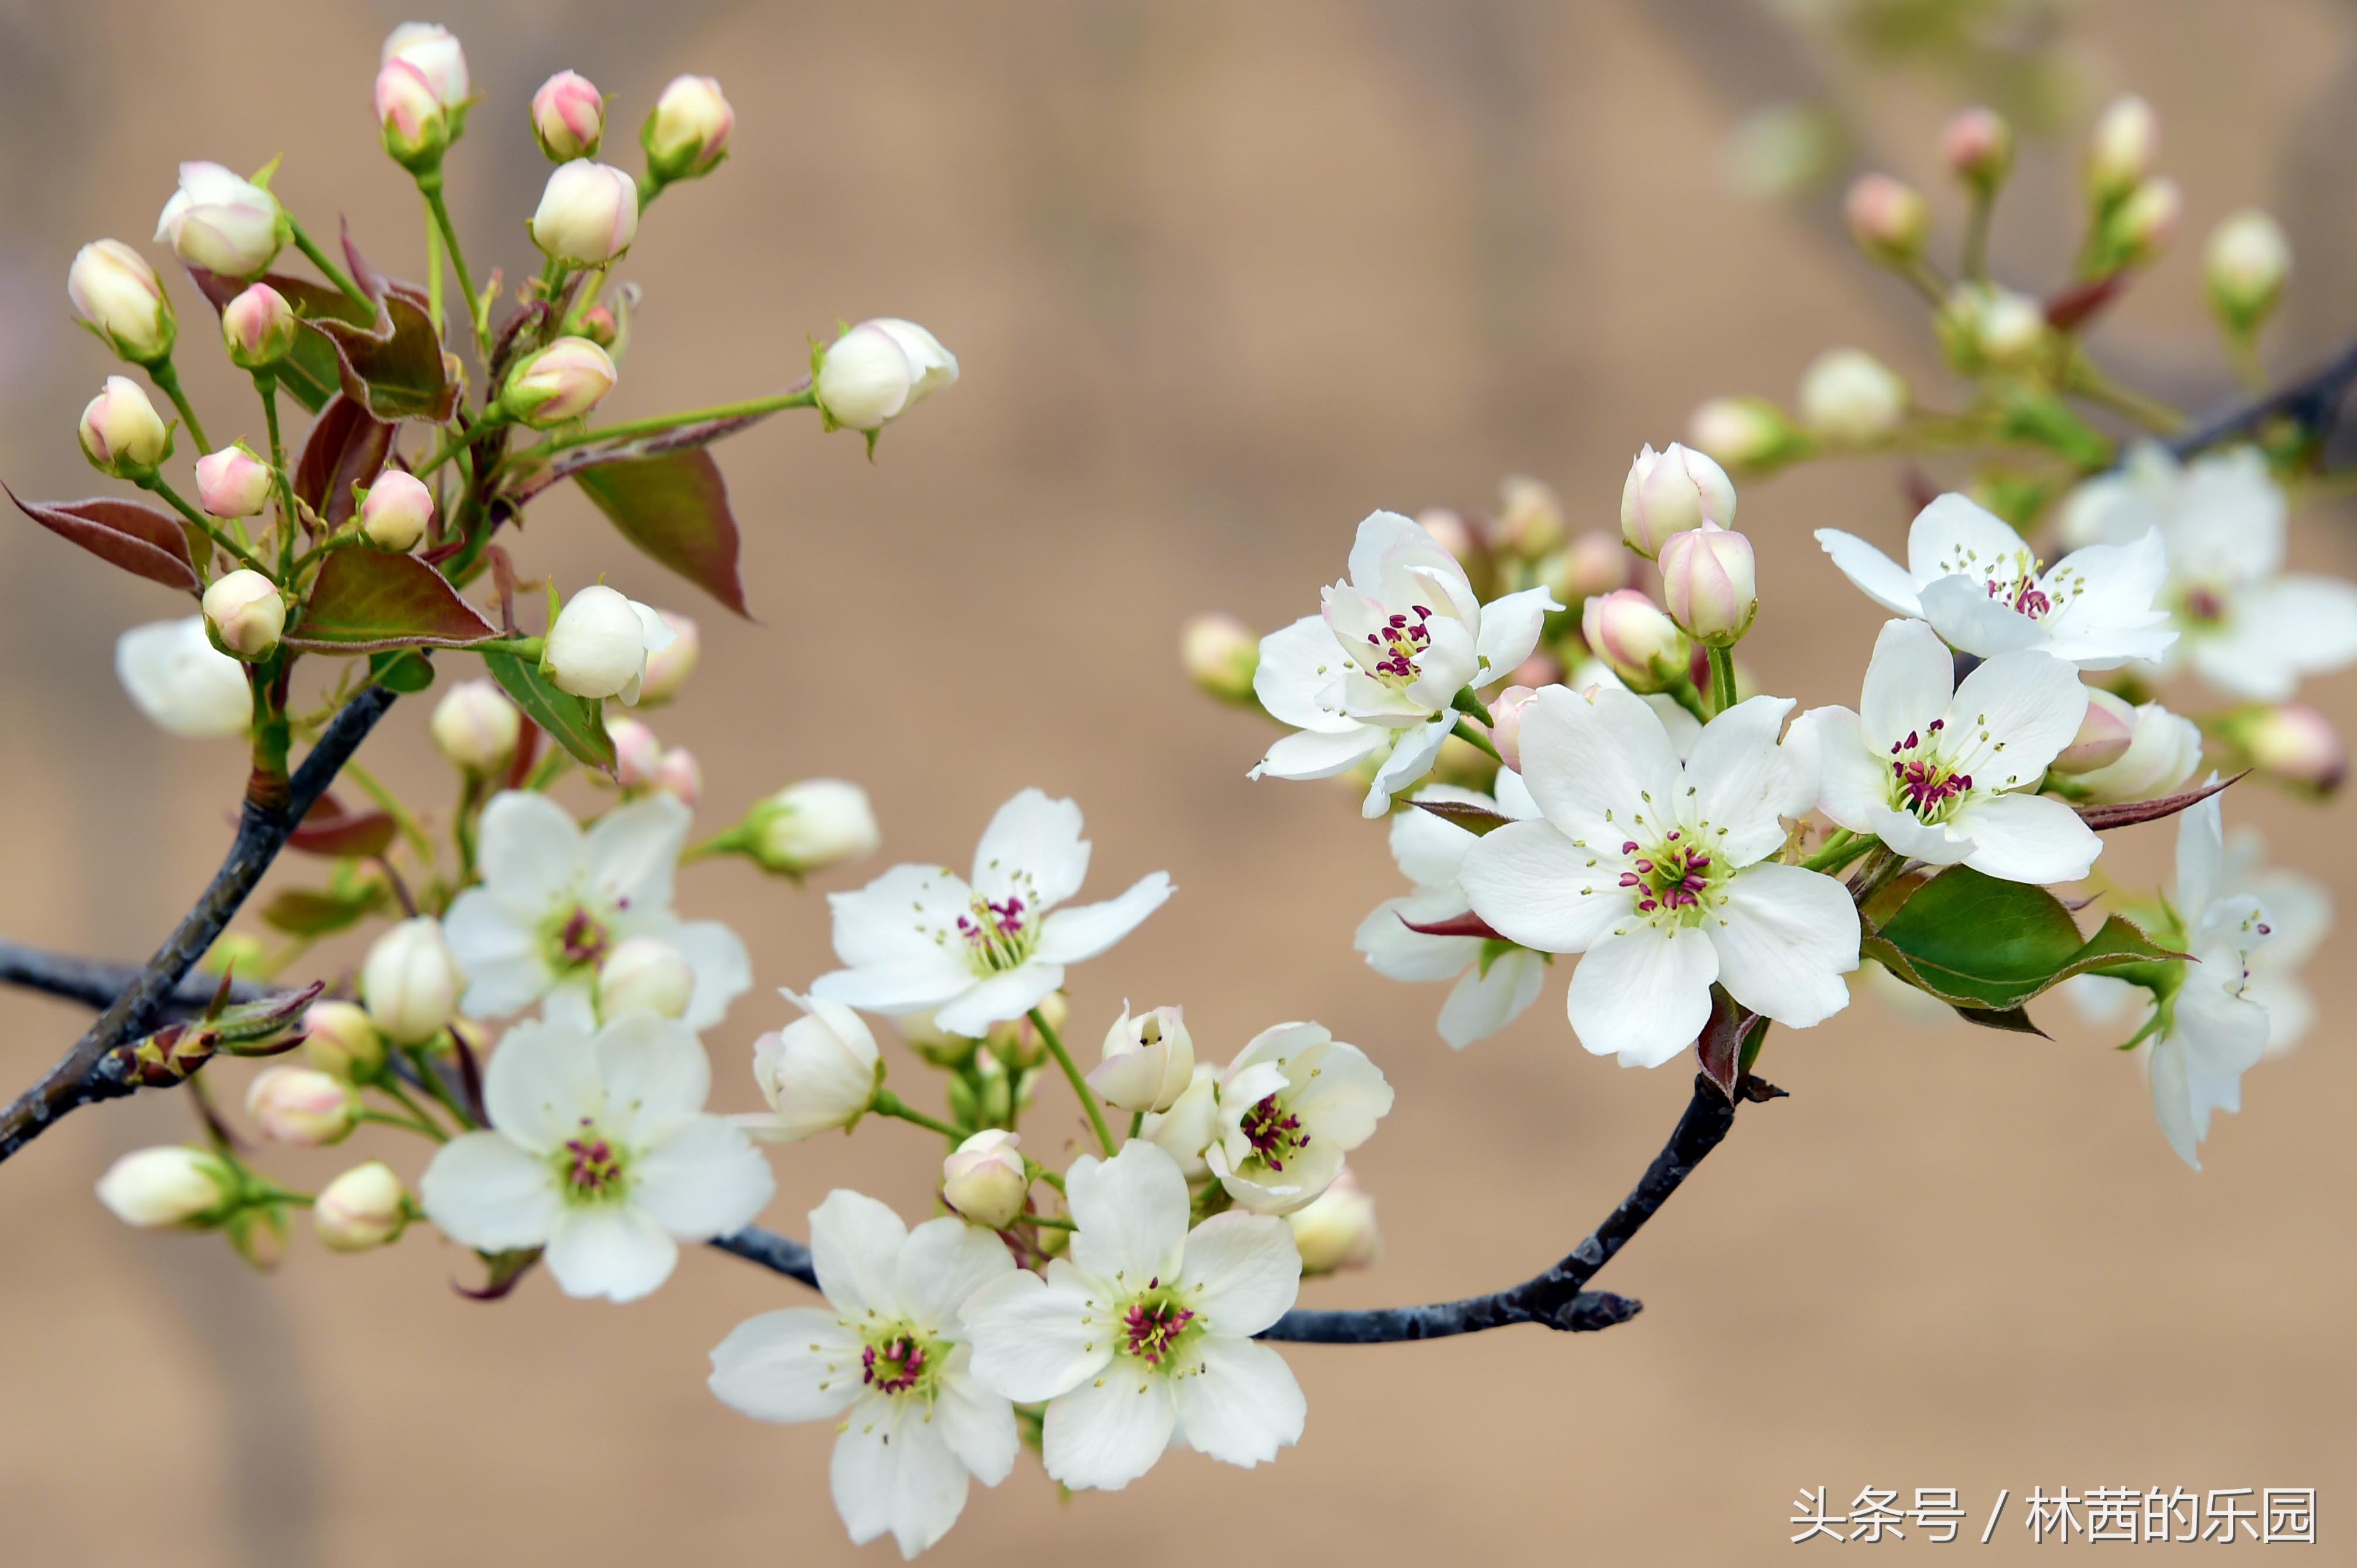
169, 1186
637, 753
1888, 218
339, 1040
362, 1209
258, 327
120, 433
411, 121
1709, 584
396, 511
568, 117
1636, 642
644, 975
601, 644
1852, 396
668, 669
1595, 563
1149, 1060
1336, 1229
410, 982
2143, 222
477, 729
1220, 654
2291, 743
687, 135
2243, 266
119, 294
1672, 491
985, 1181
221, 222
562, 382
233, 482
877, 370
588, 214
681, 777
1987, 324
301, 1105
1530, 517
2120, 153
2104, 735
432, 49
1978, 146
246, 613
1747, 432
1506, 711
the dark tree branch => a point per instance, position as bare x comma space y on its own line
88, 1073
2312, 401
96, 982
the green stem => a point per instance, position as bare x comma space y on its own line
433, 268
521, 647
432, 1079
451, 447
888, 1104
265, 386
410, 828
1684, 693
391, 1086
1466, 732
212, 529
1048, 1222
1136, 1122
1073, 1075
334, 274
1722, 678
2088, 383
162, 373
470, 798
431, 187
1838, 850
387, 1119
801, 398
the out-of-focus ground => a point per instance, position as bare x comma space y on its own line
1223, 278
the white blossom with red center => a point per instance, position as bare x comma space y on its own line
1293, 1101
1975, 581
921, 939
1946, 773
1380, 670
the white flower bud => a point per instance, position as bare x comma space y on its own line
600, 645
246, 613
644, 975
1889, 218
410, 982
1978, 146
817, 1073
411, 121
985, 1180
2290, 742
233, 482
2120, 154
562, 382
568, 117
637, 753
669, 667
2161, 753
1188, 1128
477, 729
2143, 223
339, 1039
434, 50
397, 511
120, 433
1635, 640
877, 370
1148, 1061
301, 1105
680, 776
2104, 735
1530, 517
221, 223
813, 824
364, 1208
1748, 432
2244, 265
1852, 396
1993, 324
1672, 491
1596, 562
588, 214
687, 134
1220, 654
183, 683
1709, 584
1506, 710
167, 1185
114, 289
1336, 1229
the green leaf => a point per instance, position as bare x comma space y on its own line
138, 538
366, 600
675, 507
404, 671
1979, 943
320, 912
576, 724
347, 447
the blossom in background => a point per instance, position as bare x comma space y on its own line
183, 683
1495, 981
2211, 1031
600, 1152
1382, 664
2164, 749
887, 1360
921, 939
1293, 1101
2299, 916
1971, 576
1659, 872
2246, 625
554, 901
1143, 1335
1946, 773
818, 1073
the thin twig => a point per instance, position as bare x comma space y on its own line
2312, 400
96, 982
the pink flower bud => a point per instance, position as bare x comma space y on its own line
2104, 735
120, 433
338, 1039
637, 753
114, 289
434, 50
2290, 742
985, 1180
1672, 491
680, 776
1506, 730
568, 117
598, 324
246, 613
397, 510
562, 382
1595, 563
1455, 534
1888, 218
1978, 146
258, 327
409, 117
361, 1209
221, 222
1636, 642
301, 1105
668, 667
2120, 153
588, 214
233, 482
687, 135
1708, 582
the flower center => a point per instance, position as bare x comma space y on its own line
998, 936
1398, 645
1671, 878
2012, 580
1275, 1133
2204, 607
895, 1364
582, 937
591, 1166
1156, 1325
1919, 781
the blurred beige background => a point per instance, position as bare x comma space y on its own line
1223, 277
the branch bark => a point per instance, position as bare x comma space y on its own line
85, 1074
2313, 401
95, 983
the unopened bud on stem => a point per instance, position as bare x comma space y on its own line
669, 667
258, 327
115, 290
246, 613
1506, 711
2104, 735
588, 214
2244, 266
396, 511
1636, 642
410, 982
121, 434
599, 644
2120, 153
1336, 1229
877, 371
2290, 742
167, 1186
1852, 396
568, 117
1221, 655
476, 728
1672, 491
644, 975
687, 135
363, 1207
338, 1038
1978, 146
985, 1180
1708, 582
562, 382
1149, 1060
301, 1105
1889, 219
807, 826
233, 482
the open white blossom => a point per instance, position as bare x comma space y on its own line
1660, 872
183, 683
1293, 1101
887, 1360
1382, 664
599, 1151
1143, 1336
554, 901
1496, 981
2211, 1030
2299, 916
2246, 625
921, 939
1974, 579
1944, 773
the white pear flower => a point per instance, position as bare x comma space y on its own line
2211, 1030
921, 939
556, 901
818, 1073
1662, 873
183, 683
1143, 1336
1384, 662
1946, 773
1973, 578
1192, 1125
1496, 981
887, 1360
1150, 1060
600, 1152
2246, 625
2299, 916
1293, 1101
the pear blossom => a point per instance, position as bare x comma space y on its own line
1496, 981
1150, 1060
221, 222
599, 1151
2299, 916
818, 1073
1143, 1336
2211, 1030
181, 682
921, 939
888, 1360
1661, 872
1385, 662
2245, 625
554, 902
1189, 1126
1947, 773
1293, 1101
1971, 576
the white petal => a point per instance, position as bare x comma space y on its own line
528, 851
1583, 758
704, 1180
1644, 995
999, 999
1240, 1404
899, 987
1908, 684
1032, 850
899, 917
1481, 1005
1956, 534
1509, 628
1132, 1214
1344, 1096
799, 1364
1961, 610
943, 1262
2201, 855
2028, 704
634, 849
542, 1083
892, 1471
1411, 758
1387, 543
485, 1192
1884, 581
856, 1249
978, 1425
1034, 1339
1852, 783
1244, 1270
500, 954
656, 1076
1535, 887
1312, 754
1788, 937
2027, 838
1934, 844
1430, 848
1396, 952
723, 971
1069, 936
1743, 782
572, 1003
612, 1252
1299, 673
2172, 1099
1109, 1430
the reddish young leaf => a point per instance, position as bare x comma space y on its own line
1469, 924
674, 506
311, 371
2128, 813
365, 601
347, 447
1474, 819
129, 534
1720, 1045
394, 366
332, 831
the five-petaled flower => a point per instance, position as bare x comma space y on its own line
1293, 1101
